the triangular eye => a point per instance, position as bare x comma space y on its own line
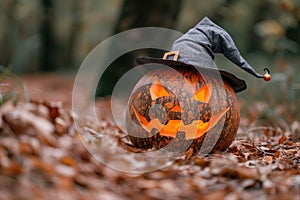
203, 94
157, 91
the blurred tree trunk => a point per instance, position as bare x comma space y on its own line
55, 54
48, 47
134, 14
10, 38
74, 32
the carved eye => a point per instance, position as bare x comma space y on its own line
157, 91
203, 94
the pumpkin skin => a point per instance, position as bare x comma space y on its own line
179, 108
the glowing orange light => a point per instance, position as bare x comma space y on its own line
157, 91
194, 130
203, 94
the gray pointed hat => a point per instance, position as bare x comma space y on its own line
197, 48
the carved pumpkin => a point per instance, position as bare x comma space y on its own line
178, 108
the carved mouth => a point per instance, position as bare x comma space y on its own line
192, 131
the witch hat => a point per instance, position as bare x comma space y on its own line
197, 48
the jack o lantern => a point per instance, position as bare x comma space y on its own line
190, 103
176, 108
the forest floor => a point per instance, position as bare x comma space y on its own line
42, 156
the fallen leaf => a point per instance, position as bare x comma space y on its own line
282, 139
268, 159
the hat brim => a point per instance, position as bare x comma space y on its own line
237, 84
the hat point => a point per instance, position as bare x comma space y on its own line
267, 75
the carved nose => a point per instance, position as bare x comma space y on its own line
201, 111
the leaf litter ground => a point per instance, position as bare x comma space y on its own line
42, 157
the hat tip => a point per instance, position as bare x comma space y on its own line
267, 75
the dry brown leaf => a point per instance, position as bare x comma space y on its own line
248, 173
277, 154
24, 122
11, 168
268, 159
282, 139
67, 160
